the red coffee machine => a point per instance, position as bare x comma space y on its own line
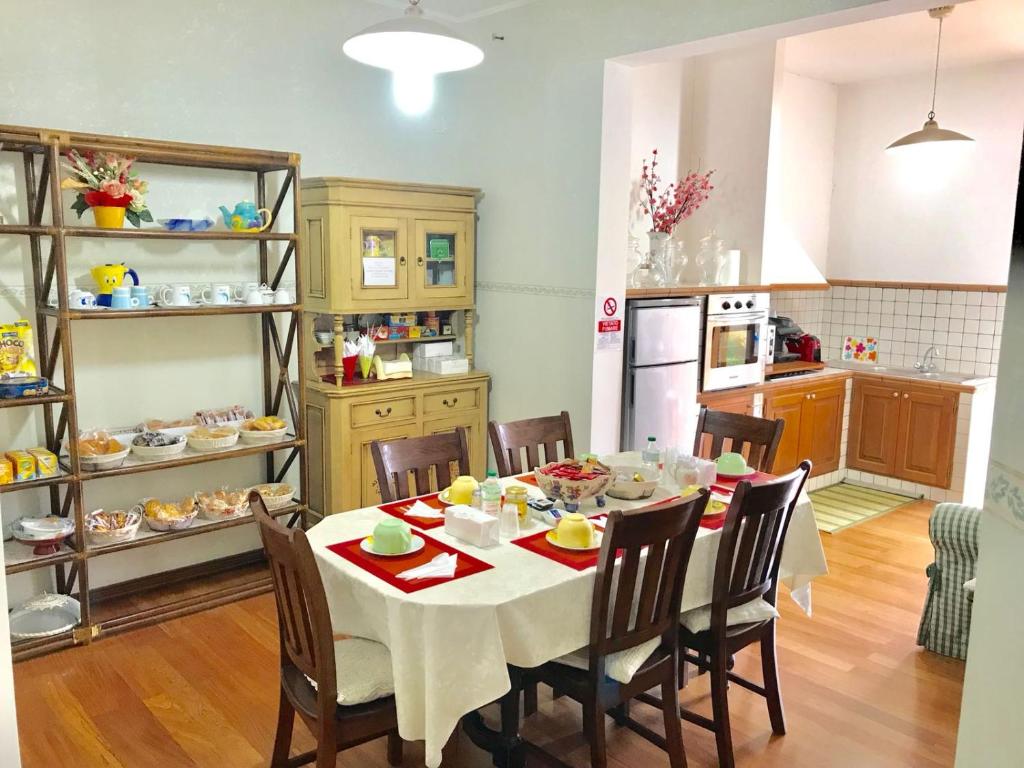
807, 346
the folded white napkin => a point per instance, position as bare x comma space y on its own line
420, 509
441, 567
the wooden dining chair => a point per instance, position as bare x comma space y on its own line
742, 610
757, 439
359, 669
510, 439
423, 457
634, 625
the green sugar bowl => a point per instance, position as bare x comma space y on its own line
392, 536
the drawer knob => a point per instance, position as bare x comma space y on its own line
906, 394
895, 394
385, 413
401, 260
419, 260
452, 404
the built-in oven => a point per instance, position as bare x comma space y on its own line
735, 330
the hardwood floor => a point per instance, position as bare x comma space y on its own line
202, 690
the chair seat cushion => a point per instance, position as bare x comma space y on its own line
754, 612
363, 671
619, 666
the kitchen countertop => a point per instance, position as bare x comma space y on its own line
836, 371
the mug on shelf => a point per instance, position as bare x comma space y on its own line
216, 294
281, 296
141, 293
121, 298
176, 295
78, 299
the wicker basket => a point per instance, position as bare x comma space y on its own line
274, 501
104, 461
207, 444
225, 513
169, 525
102, 538
159, 452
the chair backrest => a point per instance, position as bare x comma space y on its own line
304, 620
425, 456
750, 550
509, 440
625, 612
757, 439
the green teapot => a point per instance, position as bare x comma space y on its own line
246, 217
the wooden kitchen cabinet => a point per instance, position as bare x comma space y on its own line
344, 421
374, 246
730, 401
904, 430
813, 415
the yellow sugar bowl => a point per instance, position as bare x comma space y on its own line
574, 530
461, 491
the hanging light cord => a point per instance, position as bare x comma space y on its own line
935, 79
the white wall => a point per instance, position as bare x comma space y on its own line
895, 218
799, 197
9, 753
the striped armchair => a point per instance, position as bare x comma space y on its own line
946, 621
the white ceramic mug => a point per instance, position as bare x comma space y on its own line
281, 296
78, 299
176, 295
216, 294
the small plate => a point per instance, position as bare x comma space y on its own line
748, 472
552, 537
444, 498
367, 546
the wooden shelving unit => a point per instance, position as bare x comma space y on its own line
41, 151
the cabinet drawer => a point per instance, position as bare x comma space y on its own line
435, 403
383, 411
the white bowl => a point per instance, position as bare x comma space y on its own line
171, 525
258, 437
206, 444
159, 452
624, 487
106, 461
275, 500
101, 538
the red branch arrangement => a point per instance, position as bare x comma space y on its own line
677, 202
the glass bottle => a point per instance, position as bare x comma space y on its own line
650, 457
516, 495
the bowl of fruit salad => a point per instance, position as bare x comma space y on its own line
572, 481
631, 483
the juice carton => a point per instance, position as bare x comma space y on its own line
23, 463
46, 462
6, 472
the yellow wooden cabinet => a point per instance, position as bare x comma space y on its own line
342, 422
373, 246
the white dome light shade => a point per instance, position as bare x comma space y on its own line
412, 43
928, 134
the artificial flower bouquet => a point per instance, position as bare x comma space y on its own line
107, 184
677, 202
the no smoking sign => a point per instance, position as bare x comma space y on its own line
609, 326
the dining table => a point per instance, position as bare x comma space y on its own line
452, 640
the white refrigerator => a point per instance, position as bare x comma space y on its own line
662, 364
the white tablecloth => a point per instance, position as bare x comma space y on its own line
450, 643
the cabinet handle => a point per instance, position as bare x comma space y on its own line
419, 260
387, 412
401, 260
895, 394
452, 403
906, 395
814, 395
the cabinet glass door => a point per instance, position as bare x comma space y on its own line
441, 253
379, 256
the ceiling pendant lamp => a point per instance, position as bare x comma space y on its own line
930, 133
414, 49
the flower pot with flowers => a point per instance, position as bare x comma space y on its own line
667, 208
107, 184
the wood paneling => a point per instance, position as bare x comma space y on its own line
201, 691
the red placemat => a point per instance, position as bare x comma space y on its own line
398, 508
529, 478
730, 485
537, 542
386, 568
712, 522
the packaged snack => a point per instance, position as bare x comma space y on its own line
6, 472
16, 350
46, 462
23, 463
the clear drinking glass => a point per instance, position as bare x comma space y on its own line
508, 522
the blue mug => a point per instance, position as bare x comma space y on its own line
121, 298
141, 293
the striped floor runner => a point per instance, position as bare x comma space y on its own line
840, 506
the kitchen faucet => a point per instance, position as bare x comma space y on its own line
927, 363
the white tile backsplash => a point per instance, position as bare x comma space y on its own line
964, 325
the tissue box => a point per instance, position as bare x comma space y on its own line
433, 349
471, 525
